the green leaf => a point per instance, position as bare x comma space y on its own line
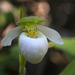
70, 69
31, 20
68, 47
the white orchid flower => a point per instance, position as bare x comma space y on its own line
33, 42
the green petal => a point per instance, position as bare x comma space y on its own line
50, 34
6, 41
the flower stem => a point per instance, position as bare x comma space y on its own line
22, 71
22, 64
21, 57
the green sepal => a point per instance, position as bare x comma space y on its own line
30, 27
31, 20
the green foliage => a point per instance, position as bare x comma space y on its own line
32, 20
1, 71
9, 60
68, 47
9, 18
21, 13
14, 52
70, 69
2, 19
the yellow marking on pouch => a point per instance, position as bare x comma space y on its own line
32, 32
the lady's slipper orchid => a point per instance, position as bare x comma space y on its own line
33, 42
